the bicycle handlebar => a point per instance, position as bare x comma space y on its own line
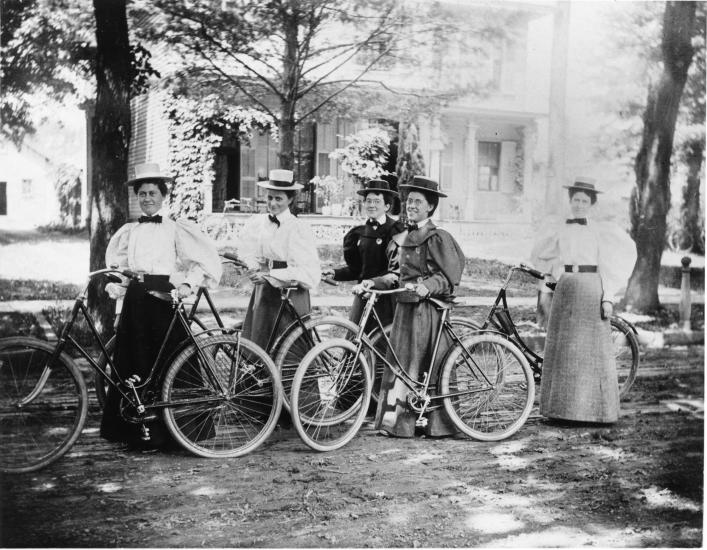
234, 260
530, 271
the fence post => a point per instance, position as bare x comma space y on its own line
685, 305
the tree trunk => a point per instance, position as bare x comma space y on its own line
651, 196
289, 100
691, 195
110, 136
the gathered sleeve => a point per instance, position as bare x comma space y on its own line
391, 279
117, 249
545, 255
302, 258
197, 255
617, 258
445, 263
352, 257
249, 246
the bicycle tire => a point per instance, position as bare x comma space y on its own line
99, 381
462, 328
330, 395
626, 352
39, 432
290, 351
498, 374
222, 425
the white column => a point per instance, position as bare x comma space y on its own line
208, 193
471, 151
532, 192
436, 146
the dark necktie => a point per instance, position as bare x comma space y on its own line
412, 226
274, 220
373, 223
150, 219
580, 221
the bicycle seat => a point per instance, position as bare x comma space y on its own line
446, 302
161, 295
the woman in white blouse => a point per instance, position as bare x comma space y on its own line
279, 249
591, 262
167, 255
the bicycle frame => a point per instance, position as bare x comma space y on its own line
420, 389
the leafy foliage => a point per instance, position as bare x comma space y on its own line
196, 129
365, 154
68, 189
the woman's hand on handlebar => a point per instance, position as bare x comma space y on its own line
363, 287
184, 290
257, 277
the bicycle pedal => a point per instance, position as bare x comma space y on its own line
145, 433
421, 422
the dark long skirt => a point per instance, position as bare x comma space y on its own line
262, 313
579, 380
144, 321
415, 326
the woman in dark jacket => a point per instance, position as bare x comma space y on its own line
429, 259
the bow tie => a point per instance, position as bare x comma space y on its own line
274, 220
373, 223
580, 221
150, 219
412, 226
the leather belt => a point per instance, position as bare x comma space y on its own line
580, 269
148, 277
276, 264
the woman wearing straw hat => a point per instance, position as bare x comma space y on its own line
166, 254
591, 261
365, 247
278, 248
429, 259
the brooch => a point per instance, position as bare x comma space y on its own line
379, 241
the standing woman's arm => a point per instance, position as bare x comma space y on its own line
302, 258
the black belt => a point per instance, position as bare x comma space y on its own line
277, 264
580, 269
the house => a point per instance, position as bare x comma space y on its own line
490, 155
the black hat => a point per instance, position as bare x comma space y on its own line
426, 185
376, 186
583, 183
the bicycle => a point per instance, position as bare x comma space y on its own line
484, 384
220, 395
623, 334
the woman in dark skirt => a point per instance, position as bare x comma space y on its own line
591, 262
166, 254
279, 249
365, 248
428, 258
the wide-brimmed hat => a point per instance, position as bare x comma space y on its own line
426, 185
376, 186
281, 180
583, 183
147, 171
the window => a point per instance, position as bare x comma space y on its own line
26, 187
489, 160
3, 198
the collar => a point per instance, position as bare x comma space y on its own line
161, 212
284, 215
423, 223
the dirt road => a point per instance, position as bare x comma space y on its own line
638, 483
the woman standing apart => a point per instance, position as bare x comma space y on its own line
591, 261
428, 258
365, 248
166, 254
281, 246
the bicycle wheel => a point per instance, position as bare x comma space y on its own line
330, 394
625, 345
491, 386
42, 409
462, 328
223, 397
296, 343
99, 381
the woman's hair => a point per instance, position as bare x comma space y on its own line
387, 197
592, 196
431, 198
161, 185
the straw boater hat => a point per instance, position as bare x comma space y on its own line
148, 171
583, 183
281, 180
426, 185
376, 186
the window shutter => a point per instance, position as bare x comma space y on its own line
507, 172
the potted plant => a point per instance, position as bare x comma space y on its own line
330, 190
